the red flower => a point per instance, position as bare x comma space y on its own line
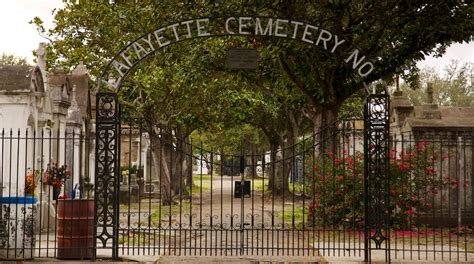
403, 166
393, 154
350, 161
421, 146
55, 176
340, 178
409, 212
430, 170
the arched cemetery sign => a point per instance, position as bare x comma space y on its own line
147, 44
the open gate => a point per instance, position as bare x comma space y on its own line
158, 194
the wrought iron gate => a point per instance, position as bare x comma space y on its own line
159, 194
150, 199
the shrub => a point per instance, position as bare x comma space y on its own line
337, 186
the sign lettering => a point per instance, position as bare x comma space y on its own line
235, 25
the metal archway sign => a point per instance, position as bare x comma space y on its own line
148, 44
107, 152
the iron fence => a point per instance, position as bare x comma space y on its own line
176, 198
40, 170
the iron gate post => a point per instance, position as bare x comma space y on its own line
376, 174
107, 168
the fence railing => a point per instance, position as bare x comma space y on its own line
39, 171
304, 199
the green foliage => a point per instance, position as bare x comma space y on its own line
186, 86
451, 88
228, 141
393, 34
10, 59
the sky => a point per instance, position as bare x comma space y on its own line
18, 37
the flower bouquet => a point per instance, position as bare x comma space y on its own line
31, 182
56, 176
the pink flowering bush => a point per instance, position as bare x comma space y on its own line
336, 189
337, 186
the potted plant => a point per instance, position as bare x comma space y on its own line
55, 176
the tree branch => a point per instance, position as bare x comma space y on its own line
297, 82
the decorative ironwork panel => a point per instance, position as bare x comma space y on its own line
376, 176
107, 169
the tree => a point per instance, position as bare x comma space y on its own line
166, 91
451, 88
174, 97
393, 35
10, 59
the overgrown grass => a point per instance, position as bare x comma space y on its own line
299, 214
296, 188
136, 239
142, 238
144, 206
164, 214
259, 184
203, 181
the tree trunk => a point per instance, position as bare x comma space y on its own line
178, 176
326, 128
250, 160
160, 167
187, 168
272, 166
281, 163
